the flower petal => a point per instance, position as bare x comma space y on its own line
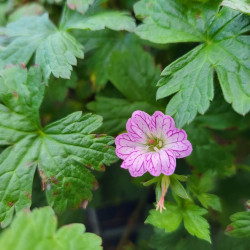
139, 126
168, 161
181, 149
153, 164
135, 164
161, 123
125, 146
176, 135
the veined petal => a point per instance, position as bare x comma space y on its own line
176, 135
125, 145
139, 126
153, 164
138, 167
181, 149
161, 123
135, 164
168, 161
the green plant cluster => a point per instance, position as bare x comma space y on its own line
71, 74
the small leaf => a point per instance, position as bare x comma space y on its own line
240, 226
169, 219
177, 187
194, 222
38, 230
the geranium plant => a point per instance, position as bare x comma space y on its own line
130, 117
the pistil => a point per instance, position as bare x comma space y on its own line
165, 182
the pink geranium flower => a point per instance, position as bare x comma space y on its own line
152, 143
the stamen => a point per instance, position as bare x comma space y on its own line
156, 149
160, 144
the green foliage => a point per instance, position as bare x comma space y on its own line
55, 49
116, 112
96, 20
208, 155
178, 240
191, 76
199, 186
191, 215
47, 144
38, 230
241, 5
26, 10
59, 150
177, 187
130, 77
240, 226
80, 6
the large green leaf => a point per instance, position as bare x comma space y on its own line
60, 150
170, 219
190, 77
38, 230
55, 50
240, 226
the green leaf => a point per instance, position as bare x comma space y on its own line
240, 226
80, 5
134, 74
60, 150
169, 220
57, 53
241, 5
177, 187
26, 10
210, 200
116, 111
105, 44
38, 230
97, 20
135, 79
200, 185
194, 222
168, 21
178, 240
220, 116
204, 146
55, 50
190, 78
